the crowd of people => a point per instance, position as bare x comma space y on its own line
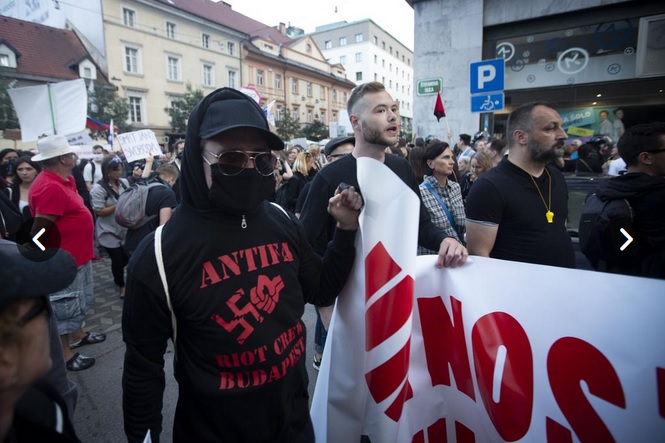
271, 227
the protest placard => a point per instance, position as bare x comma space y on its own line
138, 144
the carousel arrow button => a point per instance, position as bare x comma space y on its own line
35, 239
628, 241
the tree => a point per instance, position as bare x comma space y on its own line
180, 109
315, 131
288, 127
8, 118
105, 105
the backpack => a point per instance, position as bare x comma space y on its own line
600, 233
131, 206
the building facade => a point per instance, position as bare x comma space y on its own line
584, 56
368, 53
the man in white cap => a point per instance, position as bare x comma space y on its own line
59, 210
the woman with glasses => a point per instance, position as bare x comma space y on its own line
111, 236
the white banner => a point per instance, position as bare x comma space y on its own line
497, 350
138, 144
56, 108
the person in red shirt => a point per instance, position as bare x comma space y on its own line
59, 210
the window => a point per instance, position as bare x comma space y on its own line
359, 56
342, 41
383, 80
390, 83
173, 68
383, 44
232, 79
391, 50
259, 77
294, 86
383, 63
376, 77
322, 93
376, 40
208, 75
396, 70
334, 95
327, 44
309, 116
359, 76
390, 67
4, 60
87, 72
323, 116
308, 48
359, 38
128, 17
342, 59
132, 60
295, 113
309, 89
136, 114
397, 54
344, 97
280, 113
278, 81
171, 30
376, 59
231, 47
205, 41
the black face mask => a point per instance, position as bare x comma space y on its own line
240, 194
7, 169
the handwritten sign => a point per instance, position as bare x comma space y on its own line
138, 144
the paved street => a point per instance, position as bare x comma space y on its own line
98, 416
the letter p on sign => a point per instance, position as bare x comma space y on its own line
487, 76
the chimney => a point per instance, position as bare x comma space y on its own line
282, 28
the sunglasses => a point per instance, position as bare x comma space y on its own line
41, 305
232, 163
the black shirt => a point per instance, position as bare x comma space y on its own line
506, 196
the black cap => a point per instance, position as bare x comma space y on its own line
27, 274
335, 142
236, 110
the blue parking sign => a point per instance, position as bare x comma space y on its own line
487, 76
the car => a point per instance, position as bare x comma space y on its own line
580, 186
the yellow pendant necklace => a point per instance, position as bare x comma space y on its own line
549, 214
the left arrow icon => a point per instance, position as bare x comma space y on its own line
35, 239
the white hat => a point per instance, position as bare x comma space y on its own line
53, 146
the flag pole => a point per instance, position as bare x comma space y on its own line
50, 102
450, 134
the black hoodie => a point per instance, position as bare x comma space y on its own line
646, 195
238, 295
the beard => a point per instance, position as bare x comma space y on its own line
376, 137
541, 153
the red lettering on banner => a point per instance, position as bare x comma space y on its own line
511, 415
445, 344
556, 432
383, 380
660, 382
419, 437
592, 367
437, 432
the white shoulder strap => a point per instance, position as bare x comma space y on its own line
281, 209
162, 274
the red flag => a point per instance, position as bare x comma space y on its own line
438, 107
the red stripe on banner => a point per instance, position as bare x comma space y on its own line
660, 381
385, 379
437, 432
464, 434
389, 313
394, 411
379, 269
419, 437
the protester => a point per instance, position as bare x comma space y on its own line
32, 410
481, 162
642, 147
92, 172
59, 210
442, 197
464, 146
374, 116
518, 209
111, 236
288, 193
238, 270
26, 172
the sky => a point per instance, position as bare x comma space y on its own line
394, 16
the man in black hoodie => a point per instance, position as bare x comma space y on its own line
238, 270
642, 147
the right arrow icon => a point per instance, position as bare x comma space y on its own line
629, 239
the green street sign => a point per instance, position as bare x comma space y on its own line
429, 86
